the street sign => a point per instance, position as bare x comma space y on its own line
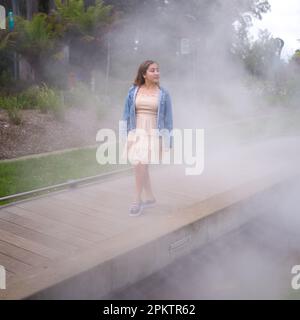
185, 46
2, 18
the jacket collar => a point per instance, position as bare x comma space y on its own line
134, 89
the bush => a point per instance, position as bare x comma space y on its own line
6, 78
43, 98
28, 98
12, 106
14, 115
80, 97
48, 99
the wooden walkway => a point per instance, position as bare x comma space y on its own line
47, 240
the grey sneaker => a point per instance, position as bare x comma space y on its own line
135, 209
149, 203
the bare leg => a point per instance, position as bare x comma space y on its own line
142, 180
139, 180
147, 184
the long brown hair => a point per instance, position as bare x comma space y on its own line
139, 79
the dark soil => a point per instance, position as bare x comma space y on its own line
44, 132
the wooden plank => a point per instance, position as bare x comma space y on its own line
107, 195
71, 230
92, 207
169, 187
58, 232
92, 202
26, 256
110, 203
29, 245
104, 214
91, 224
9, 275
14, 265
94, 210
106, 202
120, 190
38, 237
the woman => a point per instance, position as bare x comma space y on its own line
148, 107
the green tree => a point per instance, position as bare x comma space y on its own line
200, 21
296, 57
84, 31
243, 12
79, 20
35, 40
41, 39
263, 56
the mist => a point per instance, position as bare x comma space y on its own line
211, 89
246, 135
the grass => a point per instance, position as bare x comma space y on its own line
29, 174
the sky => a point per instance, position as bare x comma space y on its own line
282, 21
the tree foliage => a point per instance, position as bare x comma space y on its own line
264, 54
41, 39
36, 36
74, 16
296, 57
84, 29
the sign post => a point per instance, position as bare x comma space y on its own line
185, 46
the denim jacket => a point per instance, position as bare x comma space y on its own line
164, 114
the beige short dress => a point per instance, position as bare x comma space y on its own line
144, 146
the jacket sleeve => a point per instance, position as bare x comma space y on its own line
126, 108
168, 116
125, 117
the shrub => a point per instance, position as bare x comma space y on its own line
14, 115
48, 99
28, 98
81, 97
11, 105
6, 78
43, 98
